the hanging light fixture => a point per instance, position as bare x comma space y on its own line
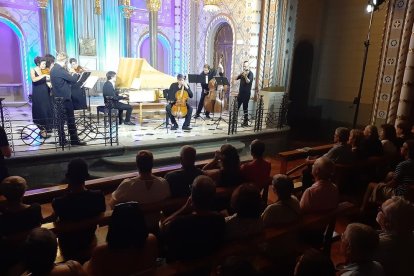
42, 4
211, 6
98, 8
373, 5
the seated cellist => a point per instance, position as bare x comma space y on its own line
174, 93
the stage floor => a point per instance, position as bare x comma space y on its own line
26, 139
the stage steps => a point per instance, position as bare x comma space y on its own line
107, 166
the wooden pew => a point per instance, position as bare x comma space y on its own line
253, 246
296, 154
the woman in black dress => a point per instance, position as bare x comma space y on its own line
41, 105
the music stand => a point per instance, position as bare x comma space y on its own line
195, 78
221, 81
167, 96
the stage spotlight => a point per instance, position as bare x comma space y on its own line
373, 5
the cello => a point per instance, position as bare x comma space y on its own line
179, 109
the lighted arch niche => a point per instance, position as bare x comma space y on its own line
164, 52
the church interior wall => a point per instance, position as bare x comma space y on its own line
337, 32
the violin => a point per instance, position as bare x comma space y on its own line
179, 109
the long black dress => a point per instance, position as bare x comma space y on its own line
41, 104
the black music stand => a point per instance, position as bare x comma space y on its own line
195, 78
221, 81
169, 99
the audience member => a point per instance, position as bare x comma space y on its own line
313, 263
39, 255
323, 194
146, 187
403, 131
224, 169
359, 243
341, 152
180, 180
129, 250
397, 182
388, 139
372, 145
356, 140
286, 209
195, 230
256, 171
396, 241
15, 216
247, 205
78, 204
5, 151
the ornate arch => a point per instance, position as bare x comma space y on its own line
164, 41
212, 29
23, 51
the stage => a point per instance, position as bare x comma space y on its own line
43, 163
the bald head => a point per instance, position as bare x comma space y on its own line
323, 168
13, 188
188, 156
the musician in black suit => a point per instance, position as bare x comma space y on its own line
61, 82
246, 81
207, 74
109, 91
173, 93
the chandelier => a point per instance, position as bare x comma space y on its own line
42, 4
211, 6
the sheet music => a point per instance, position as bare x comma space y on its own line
90, 82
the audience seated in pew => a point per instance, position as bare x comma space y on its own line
323, 194
181, 180
39, 255
15, 216
388, 137
78, 204
403, 131
194, 230
356, 141
247, 205
146, 187
372, 145
341, 152
224, 169
312, 263
256, 171
396, 241
359, 243
396, 182
286, 209
129, 250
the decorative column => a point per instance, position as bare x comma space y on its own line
127, 11
153, 7
43, 15
406, 99
59, 25
396, 36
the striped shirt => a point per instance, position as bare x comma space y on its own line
404, 176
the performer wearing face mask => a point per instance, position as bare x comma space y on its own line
246, 80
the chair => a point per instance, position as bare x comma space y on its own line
103, 109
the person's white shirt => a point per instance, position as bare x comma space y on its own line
142, 191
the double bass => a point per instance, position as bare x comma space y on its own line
179, 109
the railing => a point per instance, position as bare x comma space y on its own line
25, 137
